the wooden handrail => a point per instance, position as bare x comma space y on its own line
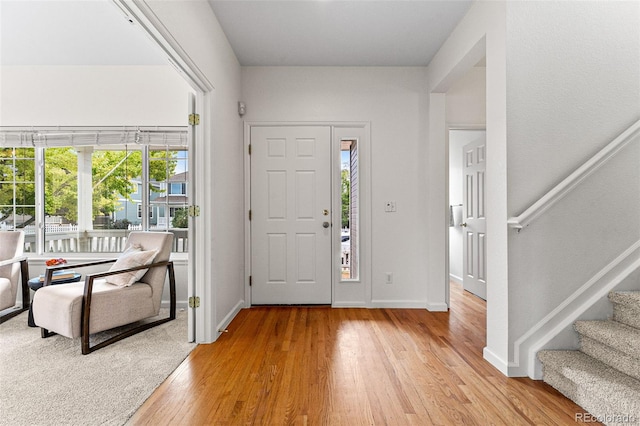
574, 179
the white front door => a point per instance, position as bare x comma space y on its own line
290, 215
474, 238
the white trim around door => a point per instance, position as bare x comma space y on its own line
345, 293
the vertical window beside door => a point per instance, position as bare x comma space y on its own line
349, 209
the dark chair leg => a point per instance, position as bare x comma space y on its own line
11, 314
46, 333
26, 291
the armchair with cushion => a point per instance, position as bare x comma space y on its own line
129, 292
14, 273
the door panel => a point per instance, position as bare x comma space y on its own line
290, 188
474, 220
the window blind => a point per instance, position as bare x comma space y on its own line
38, 137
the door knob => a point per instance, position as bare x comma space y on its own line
325, 224
463, 224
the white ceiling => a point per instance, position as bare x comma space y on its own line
338, 32
80, 32
262, 32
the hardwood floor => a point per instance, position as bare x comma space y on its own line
323, 366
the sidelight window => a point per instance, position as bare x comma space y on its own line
349, 210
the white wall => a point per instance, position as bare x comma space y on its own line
393, 101
92, 96
467, 98
195, 28
573, 85
456, 198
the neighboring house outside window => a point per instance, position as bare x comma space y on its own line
175, 201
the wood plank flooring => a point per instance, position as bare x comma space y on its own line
323, 366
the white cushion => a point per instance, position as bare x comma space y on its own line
131, 258
58, 308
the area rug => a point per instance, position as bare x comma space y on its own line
49, 382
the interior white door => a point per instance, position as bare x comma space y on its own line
474, 239
290, 215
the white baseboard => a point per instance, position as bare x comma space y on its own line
180, 304
399, 304
455, 279
437, 307
228, 318
348, 305
496, 361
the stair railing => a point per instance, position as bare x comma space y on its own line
574, 179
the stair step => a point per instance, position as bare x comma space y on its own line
626, 307
627, 314
592, 384
578, 395
612, 357
625, 297
619, 336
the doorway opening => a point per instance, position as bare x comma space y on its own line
467, 231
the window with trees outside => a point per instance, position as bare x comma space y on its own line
79, 192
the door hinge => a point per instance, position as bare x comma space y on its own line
194, 302
194, 119
249, 149
250, 280
249, 214
194, 211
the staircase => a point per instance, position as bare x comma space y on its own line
603, 377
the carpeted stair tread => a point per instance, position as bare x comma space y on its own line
610, 356
619, 336
626, 307
627, 314
585, 399
625, 297
592, 377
